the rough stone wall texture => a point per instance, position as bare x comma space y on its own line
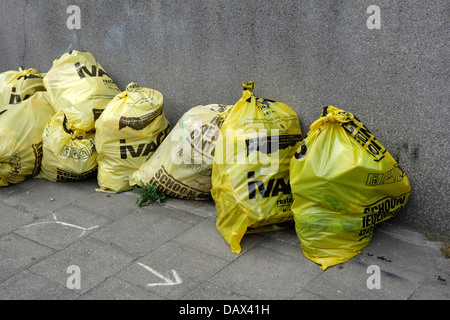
307, 54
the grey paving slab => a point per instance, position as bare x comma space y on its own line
114, 288
97, 261
205, 237
28, 184
286, 235
18, 253
257, 273
405, 249
305, 294
190, 217
436, 286
444, 267
7, 192
348, 281
211, 291
142, 231
116, 244
113, 206
47, 196
432, 289
63, 227
12, 218
30, 286
203, 208
193, 268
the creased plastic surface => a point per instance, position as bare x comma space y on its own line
21, 128
68, 154
128, 132
250, 174
344, 182
181, 167
79, 86
19, 85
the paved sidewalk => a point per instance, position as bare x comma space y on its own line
172, 251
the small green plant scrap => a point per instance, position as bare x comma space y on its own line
149, 194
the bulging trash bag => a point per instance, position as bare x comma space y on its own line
69, 154
128, 132
21, 128
79, 86
17, 86
250, 174
181, 167
344, 183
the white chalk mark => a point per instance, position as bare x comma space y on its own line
167, 281
56, 221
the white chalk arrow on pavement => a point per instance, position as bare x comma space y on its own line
66, 224
167, 281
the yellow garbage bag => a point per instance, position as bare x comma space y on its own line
21, 128
344, 182
250, 174
79, 86
128, 132
17, 86
181, 167
69, 154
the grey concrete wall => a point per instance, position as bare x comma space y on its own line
307, 54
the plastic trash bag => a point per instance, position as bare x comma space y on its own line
79, 86
250, 174
69, 154
344, 182
17, 86
128, 132
21, 128
181, 167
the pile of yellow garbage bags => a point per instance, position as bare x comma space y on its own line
335, 184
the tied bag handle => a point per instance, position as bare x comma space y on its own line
354, 127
